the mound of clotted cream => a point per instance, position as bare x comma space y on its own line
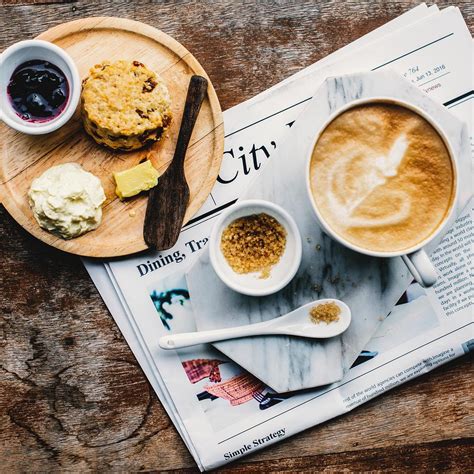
66, 200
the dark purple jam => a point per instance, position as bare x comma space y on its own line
38, 91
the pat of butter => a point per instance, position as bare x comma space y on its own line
135, 180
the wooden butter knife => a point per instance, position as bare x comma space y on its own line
167, 202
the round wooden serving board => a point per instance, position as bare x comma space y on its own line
23, 158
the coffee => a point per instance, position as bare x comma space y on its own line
381, 177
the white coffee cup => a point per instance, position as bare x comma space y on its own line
415, 258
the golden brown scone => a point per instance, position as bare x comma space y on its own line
124, 105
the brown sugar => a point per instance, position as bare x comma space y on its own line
253, 243
325, 313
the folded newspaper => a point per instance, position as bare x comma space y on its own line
221, 411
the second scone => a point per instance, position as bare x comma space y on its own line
125, 105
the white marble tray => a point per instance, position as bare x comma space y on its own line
370, 286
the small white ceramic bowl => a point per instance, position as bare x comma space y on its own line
28, 50
251, 283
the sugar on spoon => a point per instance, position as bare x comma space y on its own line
296, 323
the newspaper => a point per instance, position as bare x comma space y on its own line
222, 412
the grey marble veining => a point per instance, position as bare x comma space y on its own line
370, 286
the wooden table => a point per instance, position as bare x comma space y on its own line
72, 396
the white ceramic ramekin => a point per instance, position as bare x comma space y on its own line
280, 274
29, 50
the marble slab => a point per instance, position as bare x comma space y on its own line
370, 286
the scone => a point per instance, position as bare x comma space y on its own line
125, 105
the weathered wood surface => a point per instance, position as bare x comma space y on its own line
71, 394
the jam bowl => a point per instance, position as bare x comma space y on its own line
40, 87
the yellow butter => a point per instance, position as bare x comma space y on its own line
135, 180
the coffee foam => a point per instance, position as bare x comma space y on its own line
374, 168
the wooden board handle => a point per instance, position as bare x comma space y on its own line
167, 202
197, 91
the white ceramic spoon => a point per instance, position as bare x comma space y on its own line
296, 323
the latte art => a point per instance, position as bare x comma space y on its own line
378, 169
381, 177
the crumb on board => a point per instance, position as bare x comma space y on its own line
132, 213
325, 313
253, 243
318, 247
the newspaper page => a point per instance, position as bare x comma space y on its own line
105, 281
223, 412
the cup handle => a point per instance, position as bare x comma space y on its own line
421, 268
